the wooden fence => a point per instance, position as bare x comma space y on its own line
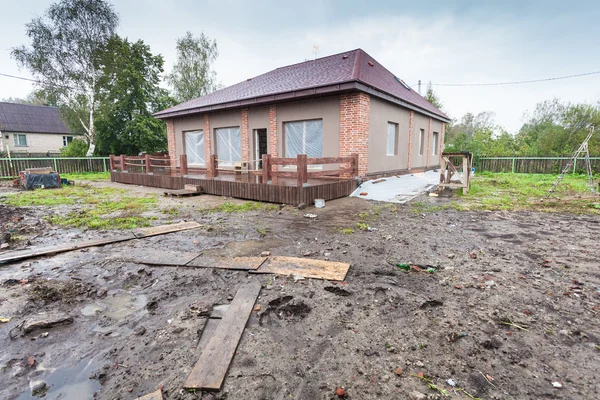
10, 167
141, 164
533, 165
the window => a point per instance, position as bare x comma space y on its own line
194, 147
436, 144
67, 140
391, 148
421, 141
228, 145
20, 140
304, 137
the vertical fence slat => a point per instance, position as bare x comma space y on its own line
534, 165
65, 165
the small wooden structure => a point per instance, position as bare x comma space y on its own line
448, 163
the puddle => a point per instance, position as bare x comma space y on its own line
247, 248
68, 383
116, 307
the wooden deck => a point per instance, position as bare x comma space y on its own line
251, 187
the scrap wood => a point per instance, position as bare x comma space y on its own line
153, 256
305, 267
210, 370
156, 395
137, 233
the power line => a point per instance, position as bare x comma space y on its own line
34, 80
517, 82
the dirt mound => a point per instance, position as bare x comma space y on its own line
284, 309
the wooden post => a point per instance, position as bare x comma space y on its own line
354, 164
215, 162
148, 164
301, 169
466, 173
112, 162
183, 166
266, 168
123, 167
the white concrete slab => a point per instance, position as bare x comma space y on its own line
398, 189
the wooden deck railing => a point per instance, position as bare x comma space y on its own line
141, 164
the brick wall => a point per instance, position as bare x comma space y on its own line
245, 139
354, 128
442, 137
171, 142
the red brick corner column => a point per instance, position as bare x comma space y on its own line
411, 128
245, 137
442, 138
171, 146
429, 138
354, 128
207, 140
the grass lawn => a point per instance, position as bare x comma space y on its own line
101, 208
87, 176
506, 191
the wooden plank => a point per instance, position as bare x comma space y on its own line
182, 193
283, 161
306, 267
43, 251
210, 370
242, 263
329, 160
162, 229
157, 395
159, 257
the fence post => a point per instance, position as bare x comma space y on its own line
183, 165
112, 162
123, 167
575, 165
148, 165
354, 164
55, 167
301, 169
266, 168
513, 165
104, 164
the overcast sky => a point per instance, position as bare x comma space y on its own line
442, 42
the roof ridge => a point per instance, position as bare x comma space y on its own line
29, 105
321, 58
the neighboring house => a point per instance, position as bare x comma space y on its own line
34, 130
332, 106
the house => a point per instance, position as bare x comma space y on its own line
32, 130
328, 107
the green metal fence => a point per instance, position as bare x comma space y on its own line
64, 165
533, 165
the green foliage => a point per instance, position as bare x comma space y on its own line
228, 207
87, 176
63, 56
130, 94
192, 74
77, 148
431, 97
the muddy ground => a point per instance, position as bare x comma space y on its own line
511, 308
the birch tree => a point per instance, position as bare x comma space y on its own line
63, 56
192, 74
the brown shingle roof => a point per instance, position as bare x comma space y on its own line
352, 66
30, 119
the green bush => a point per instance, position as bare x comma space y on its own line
77, 148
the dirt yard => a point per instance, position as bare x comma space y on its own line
511, 310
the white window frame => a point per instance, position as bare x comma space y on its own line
435, 142
203, 155
16, 141
421, 142
394, 133
66, 140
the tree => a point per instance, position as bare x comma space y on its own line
130, 94
77, 148
63, 55
192, 74
431, 97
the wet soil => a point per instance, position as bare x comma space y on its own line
511, 308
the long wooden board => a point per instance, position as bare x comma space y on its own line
152, 256
242, 263
306, 267
162, 229
43, 251
210, 370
